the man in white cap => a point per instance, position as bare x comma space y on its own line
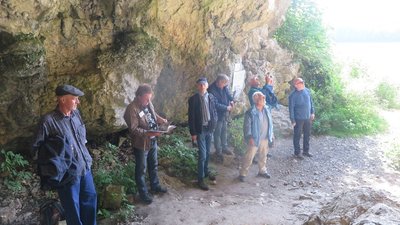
257, 132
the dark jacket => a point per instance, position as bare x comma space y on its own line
270, 97
56, 164
71, 127
195, 114
223, 96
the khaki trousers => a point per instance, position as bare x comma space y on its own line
248, 158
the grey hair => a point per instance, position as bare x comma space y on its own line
255, 94
221, 77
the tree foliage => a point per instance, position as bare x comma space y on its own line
303, 32
305, 35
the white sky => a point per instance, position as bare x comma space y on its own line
362, 14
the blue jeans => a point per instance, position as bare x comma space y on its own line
204, 144
302, 126
220, 136
146, 159
79, 201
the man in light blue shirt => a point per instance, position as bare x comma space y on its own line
301, 110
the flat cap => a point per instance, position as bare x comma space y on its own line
67, 89
202, 80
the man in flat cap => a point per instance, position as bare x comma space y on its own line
202, 122
78, 196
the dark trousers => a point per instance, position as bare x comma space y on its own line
204, 144
221, 136
146, 159
79, 201
302, 126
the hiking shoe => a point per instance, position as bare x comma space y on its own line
298, 156
265, 175
220, 158
211, 177
241, 178
146, 198
307, 154
159, 190
203, 186
227, 152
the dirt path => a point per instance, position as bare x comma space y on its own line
297, 188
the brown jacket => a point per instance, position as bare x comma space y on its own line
138, 125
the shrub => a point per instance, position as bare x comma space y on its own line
387, 95
356, 115
178, 159
236, 135
357, 71
109, 169
11, 166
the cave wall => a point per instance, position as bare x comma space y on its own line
108, 47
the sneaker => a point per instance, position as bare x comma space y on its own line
265, 175
241, 178
159, 190
146, 198
298, 156
203, 186
227, 152
307, 154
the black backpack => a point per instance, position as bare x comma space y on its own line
51, 212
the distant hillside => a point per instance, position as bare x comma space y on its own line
351, 35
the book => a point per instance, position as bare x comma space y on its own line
169, 129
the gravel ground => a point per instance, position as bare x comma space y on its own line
296, 189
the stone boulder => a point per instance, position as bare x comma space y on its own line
282, 124
9, 211
359, 207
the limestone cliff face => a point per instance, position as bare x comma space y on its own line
108, 47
